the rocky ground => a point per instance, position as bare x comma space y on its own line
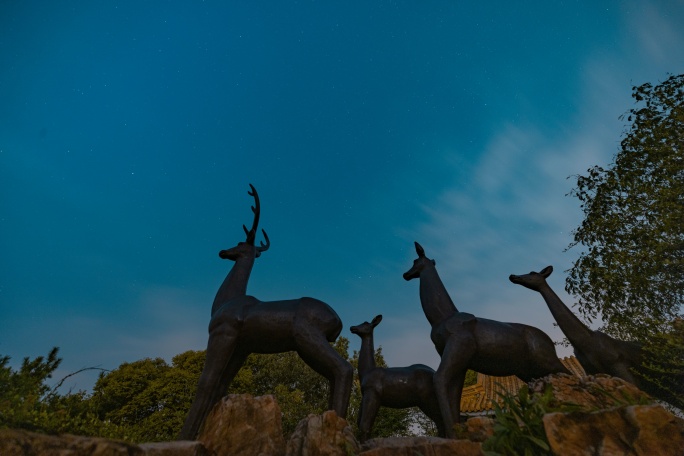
605, 423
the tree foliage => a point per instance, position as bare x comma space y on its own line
663, 367
148, 400
28, 402
632, 268
22, 391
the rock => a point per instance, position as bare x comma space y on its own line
16, 442
177, 448
426, 446
479, 428
660, 432
591, 392
322, 435
631, 430
245, 425
241, 424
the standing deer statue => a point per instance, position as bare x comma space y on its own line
595, 350
394, 387
241, 324
466, 342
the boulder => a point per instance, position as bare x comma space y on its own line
592, 392
610, 420
241, 424
322, 435
630, 430
177, 448
17, 442
478, 429
426, 446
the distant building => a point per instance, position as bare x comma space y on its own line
477, 399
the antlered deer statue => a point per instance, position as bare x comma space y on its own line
241, 324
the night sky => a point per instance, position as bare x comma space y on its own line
130, 132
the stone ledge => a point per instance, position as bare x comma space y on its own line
426, 446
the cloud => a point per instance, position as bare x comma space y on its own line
405, 342
657, 30
166, 321
515, 215
169, 320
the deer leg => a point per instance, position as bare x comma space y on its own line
370, 404
455, 394
331, 393
219, 351
431, 410
624, 373
449, 379
234, 365
317, 352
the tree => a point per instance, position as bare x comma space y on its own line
28, 402
123, 395
663, 366
148, 400
21, 392
631, 274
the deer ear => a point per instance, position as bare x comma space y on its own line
546, 271
376, 321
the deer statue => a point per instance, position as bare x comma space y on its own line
595, 350
241, 324
464, 342
394, 387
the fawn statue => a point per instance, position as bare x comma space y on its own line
395, 387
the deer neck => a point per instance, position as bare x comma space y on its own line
434, 298
366, 356
573, 328
235, 283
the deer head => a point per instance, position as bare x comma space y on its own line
248, 248
365, 328
534, 280
418, 264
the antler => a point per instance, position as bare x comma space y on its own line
263, 247
256, 209
251, 234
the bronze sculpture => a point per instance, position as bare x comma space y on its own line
466, 342
395, 387
241, 324
595, 350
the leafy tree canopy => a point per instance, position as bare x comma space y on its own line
28, 402
631, 271
663, 367
22, 391
148, 400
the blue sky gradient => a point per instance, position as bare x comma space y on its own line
129, 132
